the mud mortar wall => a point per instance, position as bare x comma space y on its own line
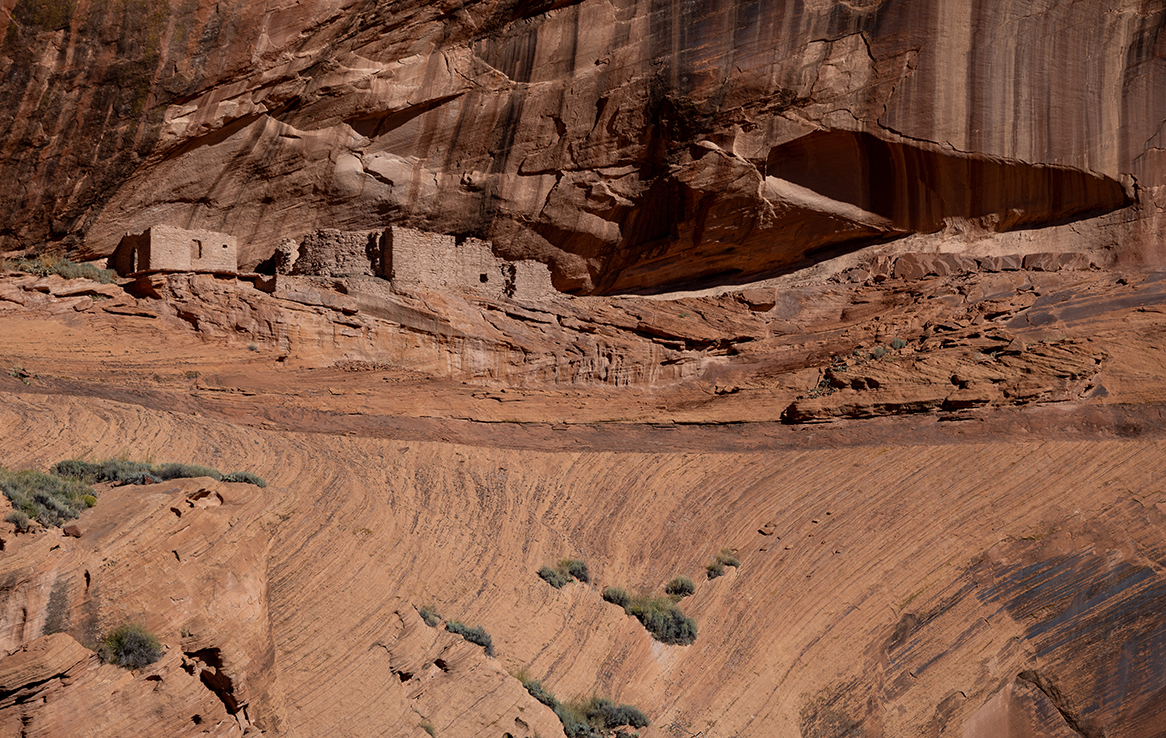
164, 248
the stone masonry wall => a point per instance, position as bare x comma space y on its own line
172, 249
335, 253
436, 262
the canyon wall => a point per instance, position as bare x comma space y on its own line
630, 145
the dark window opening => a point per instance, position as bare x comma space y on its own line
483, 278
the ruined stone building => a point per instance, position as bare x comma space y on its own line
163, 248
439, 262
416, 259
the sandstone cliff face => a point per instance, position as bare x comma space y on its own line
629, 145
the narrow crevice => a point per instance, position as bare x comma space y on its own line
1059, 701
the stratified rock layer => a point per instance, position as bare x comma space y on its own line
628, 144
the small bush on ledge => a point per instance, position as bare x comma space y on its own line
123, 471
46, 498
131, 646
565, 571
592, 718
473, 635
680, 587
720, 561
429, 615
660, 616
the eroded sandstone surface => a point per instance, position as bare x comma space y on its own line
945, 499
863, 296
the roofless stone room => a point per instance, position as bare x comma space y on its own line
582, 369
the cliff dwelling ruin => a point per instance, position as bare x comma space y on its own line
407, 257
163, 248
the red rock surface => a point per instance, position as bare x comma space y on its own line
629, 145
987, 566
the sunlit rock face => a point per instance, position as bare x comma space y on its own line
631, 145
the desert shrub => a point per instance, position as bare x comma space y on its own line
536, 690
46, 498
43, 266
596, 717
591, 718
245, 477
878, 352
616, 596
662, 618
680, 587
115, 471
19, 519
187, 471
720, 561
429, 615
562, 573
123, 471
130, 645
727, 558
614, 716
576, 569
897, 343
553, 577
473, 635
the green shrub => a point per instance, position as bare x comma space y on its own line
123, 471
592, 718
720, 561
536, 690
473, 635
429, 615
19, 519
563, 572
46, 498
553, 577
616, 596
245, 477
680, 587
898, 343
187, 471
727, 558
878, 352
130, 645
44, 265
662, 618
576, 569
596, 717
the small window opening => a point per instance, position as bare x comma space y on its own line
483, 278
196, 249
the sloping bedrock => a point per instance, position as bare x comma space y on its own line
918, 188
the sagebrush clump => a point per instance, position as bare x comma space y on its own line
473, 635
47, 264
123, 471
46, 498
720, 561
429, 615
565, 571
680, 587
590, 718
131, 646
660, 616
